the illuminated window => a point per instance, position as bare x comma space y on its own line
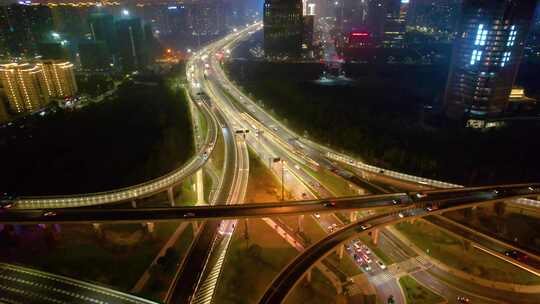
476, 55
512, 36
505, 58
481, 35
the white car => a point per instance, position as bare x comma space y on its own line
381, 264
317, 215
365, 226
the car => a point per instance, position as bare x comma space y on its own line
516, 255
365, 226
189, 214
6, 205
366, 249
401, 215
317, 215
462, 300
420, 195
396, 201
366, 267
381, 264
330, 204
49, 213
366, 258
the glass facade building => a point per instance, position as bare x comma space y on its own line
486, 56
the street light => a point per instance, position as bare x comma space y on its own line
276, 160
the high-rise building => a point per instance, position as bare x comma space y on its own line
486, 56
440, 15
25, 86
94, 55
130, 43
351, 15
283, 28
23, 27
376, 18
59, 78
307, 35
208, 18
102, 28
394, 25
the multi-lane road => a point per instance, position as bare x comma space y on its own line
23, 285
291, 274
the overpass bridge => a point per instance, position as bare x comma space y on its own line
401, 206
396, 200
290, 276
25, 285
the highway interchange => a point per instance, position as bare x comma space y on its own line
230, 110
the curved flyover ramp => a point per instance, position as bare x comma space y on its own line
283, 284
145, 189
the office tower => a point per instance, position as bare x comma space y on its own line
350, 15
438, 15
94, 56
394, 24
71, 20
311, 11
283, 28
486, 56
208, 18
102, 28
130, 39
23, 27
376, 18
59, 78
25, 86
307, 34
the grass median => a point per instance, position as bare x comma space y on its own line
418, 294
451, 250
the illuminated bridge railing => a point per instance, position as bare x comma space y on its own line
124, 194
412, 178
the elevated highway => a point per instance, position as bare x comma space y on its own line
24, 285
397, 200
289, 277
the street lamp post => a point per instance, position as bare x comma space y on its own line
282, 180
276, 160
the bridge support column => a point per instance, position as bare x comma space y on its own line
353, 216
375, 236
340, 250
308, 276
195, 228
301, 223
133, 204
170, 194
97, 229
150, 227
